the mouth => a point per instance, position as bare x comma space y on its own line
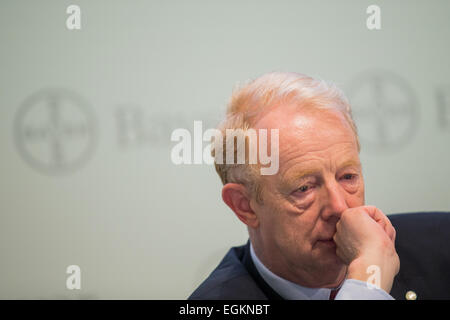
327, 242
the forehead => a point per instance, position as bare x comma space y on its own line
306, 125
307, 134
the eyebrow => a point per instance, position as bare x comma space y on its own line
303, 173
349, 163
299, 175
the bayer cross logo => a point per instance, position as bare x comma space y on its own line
385, 110
55, 131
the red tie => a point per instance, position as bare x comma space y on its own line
333, 293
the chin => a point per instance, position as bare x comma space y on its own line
328, 258
334, 267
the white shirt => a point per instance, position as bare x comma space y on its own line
350, 289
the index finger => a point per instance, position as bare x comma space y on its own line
381, 218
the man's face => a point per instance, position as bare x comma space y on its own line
319, 177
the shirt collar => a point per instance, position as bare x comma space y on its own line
285, 288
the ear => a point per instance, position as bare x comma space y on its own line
238, 199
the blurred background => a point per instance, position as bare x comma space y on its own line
86, 117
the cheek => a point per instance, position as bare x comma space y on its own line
361, 193
299, 223
269, 215
286, 225
356, 199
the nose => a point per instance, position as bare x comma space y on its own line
335, 202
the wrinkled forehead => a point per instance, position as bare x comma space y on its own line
306, 125
310, 131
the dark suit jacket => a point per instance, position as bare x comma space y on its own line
422, 244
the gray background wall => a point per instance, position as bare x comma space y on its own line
99, 190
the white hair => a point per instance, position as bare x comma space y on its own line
256, 97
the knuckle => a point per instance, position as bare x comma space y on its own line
385, 244
344, 215
397, 263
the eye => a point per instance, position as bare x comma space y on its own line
303, 188
350, 180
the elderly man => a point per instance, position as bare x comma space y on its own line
311, 234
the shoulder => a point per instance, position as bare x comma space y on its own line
421, 245
229, 281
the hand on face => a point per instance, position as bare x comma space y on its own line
365, 237
320, 178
